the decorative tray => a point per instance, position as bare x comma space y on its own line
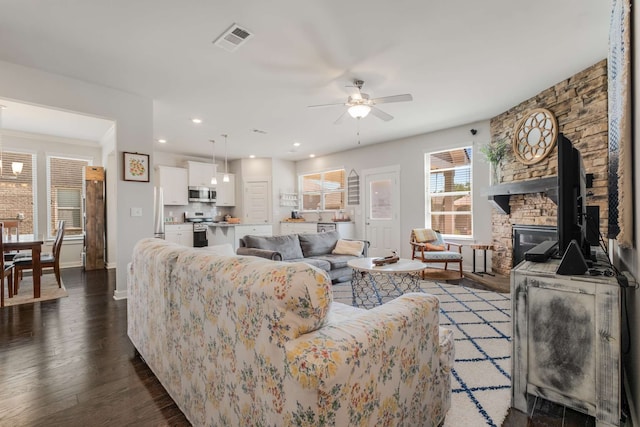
391, 259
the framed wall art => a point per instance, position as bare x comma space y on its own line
136, 167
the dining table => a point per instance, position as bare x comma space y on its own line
35, 246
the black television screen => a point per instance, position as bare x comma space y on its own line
572, 207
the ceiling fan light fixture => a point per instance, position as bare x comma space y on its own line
359, 111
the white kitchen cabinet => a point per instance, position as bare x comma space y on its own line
226, 191
298, 228
174, 184
200, 174
179, 233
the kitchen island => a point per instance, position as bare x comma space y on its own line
219, 233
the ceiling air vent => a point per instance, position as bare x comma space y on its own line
233, 38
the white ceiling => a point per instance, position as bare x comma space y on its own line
462, 61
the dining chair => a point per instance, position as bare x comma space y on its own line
47, 260
6, 270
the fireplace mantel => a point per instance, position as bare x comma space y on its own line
499, 194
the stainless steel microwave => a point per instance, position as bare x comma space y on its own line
202, 194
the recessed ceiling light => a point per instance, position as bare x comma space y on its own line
162, 141
196, 120
296, 144
312, 155
252, 156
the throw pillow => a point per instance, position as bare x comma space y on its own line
348, 247
223, 250
432, 247
318, 244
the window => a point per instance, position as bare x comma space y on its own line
449, 192
64, 177
17, 193
323, 190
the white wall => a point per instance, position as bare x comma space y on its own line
134, 133
409, 153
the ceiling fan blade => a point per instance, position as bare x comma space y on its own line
325, 105
393, 98
339, 119
381, 114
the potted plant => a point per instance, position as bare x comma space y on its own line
494, 152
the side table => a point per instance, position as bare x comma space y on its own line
484, 249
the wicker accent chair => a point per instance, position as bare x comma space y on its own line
428, 246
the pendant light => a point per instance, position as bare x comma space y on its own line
16, 167
225, 177
214, 181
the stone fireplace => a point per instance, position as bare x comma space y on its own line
579, 104
527, 237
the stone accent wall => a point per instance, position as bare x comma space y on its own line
580, 106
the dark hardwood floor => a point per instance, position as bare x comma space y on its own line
69, 362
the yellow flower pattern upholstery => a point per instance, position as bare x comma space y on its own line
246, 341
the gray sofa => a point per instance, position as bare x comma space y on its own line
314, 249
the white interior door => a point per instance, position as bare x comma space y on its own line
256, 202
382, 211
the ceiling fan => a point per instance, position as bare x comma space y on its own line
360, 105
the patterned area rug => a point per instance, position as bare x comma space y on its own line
481, 323
48, 290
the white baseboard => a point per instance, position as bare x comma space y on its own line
71, 264
118, 295
111, 265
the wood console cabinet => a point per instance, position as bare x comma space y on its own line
566, 340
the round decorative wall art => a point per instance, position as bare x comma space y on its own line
535, 136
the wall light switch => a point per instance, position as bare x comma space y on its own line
136, 211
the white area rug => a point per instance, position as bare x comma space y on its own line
481, 377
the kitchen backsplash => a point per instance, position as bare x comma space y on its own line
176, 213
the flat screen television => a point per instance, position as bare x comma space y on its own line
572, 206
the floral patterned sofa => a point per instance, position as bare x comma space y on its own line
240, 340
